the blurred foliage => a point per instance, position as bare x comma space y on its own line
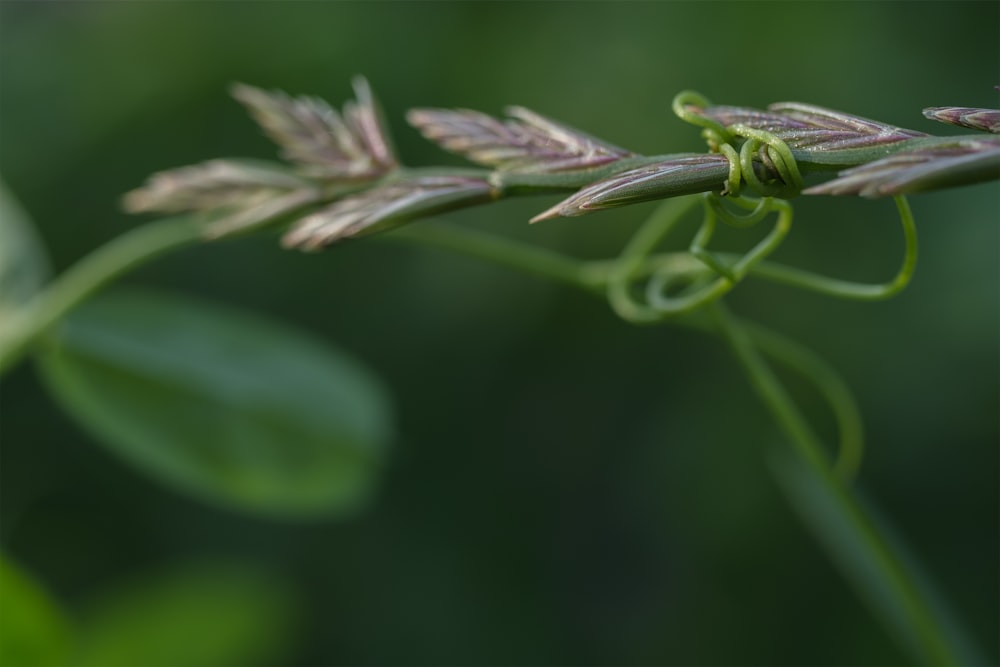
228, 406
34, 632
204, 614
567, 488
23, 265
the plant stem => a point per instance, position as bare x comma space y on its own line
830, 385
796, 357
506, 252
122, 254
845, 289
853, 538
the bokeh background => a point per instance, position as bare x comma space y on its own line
564, 488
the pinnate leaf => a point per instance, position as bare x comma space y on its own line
962, 162
212, 185
810, 127
386, 206
683, 174
986, 120
235, 195
349, 146
528, 142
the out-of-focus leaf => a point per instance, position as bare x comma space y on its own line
205, 616
235, 195
222, 404
216, 184
23, 262
33, 630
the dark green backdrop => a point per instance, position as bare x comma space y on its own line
565, 488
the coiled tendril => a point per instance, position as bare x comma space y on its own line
741, 144
646, 288
683, 285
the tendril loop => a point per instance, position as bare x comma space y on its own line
714, 132
670, 292
744, 147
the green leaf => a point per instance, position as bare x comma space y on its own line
222, 404
200, 616
24, 266
33, 630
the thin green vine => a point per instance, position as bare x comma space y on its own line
123, 254
918, 623
643, 284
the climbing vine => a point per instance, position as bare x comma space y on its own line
342, 180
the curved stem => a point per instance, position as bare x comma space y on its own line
506, 252
848, 289
795, 277
769, 388
97, 269
862, 547
632, 258
669, 306
829, 383
853, 537
592, 276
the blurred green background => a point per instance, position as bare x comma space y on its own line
564, 488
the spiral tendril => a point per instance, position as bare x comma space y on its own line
744, 146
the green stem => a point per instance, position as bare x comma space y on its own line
823, 160
846, 289
119, 256
867, 556
659, 306
663, 264
516, 184
592, 276
852, 536
832, 387
633, 257
506, 252
828, 382
770, 389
